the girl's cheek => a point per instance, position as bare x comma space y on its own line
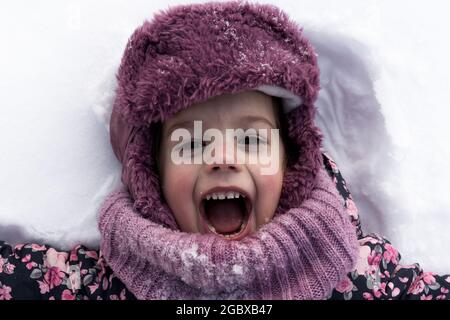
179, 193
268, 196
179, 178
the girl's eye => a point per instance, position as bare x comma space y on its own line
195, 144
251, 143
252, 140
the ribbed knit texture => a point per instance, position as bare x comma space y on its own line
301, 254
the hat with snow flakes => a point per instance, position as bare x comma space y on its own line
190, 53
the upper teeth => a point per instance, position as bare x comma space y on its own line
224, 195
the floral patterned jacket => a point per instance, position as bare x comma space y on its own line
34, 271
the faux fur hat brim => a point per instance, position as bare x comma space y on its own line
191, 53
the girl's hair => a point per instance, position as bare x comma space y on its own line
290, 147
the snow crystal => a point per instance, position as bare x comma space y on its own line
237, 269
232, 32
242, 57
191, 256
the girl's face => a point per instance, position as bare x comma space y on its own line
190, 188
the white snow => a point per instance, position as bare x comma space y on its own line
237, 269
383, 110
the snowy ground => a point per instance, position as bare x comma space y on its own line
383, 110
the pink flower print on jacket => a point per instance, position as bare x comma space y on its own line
423, 283
53, 277
36, 247
55, 265
5, 292
29, 264
391, 254
6, 267
345, 286
67, 295
56, 259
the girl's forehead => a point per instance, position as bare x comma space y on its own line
228, 108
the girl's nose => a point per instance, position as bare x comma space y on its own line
222, 159
223, 167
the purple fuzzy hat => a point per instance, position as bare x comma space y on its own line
191, 53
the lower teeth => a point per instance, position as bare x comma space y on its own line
226, 235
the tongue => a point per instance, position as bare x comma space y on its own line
226, 216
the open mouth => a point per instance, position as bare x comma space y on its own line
226, 212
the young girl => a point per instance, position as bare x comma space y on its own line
191, 220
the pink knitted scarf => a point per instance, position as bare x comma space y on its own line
300, 254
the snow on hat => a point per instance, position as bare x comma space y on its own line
191, 53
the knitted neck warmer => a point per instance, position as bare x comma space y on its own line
301, 254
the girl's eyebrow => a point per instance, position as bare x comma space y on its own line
251, 118
182, 124
244, 119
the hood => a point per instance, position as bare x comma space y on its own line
190, 53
